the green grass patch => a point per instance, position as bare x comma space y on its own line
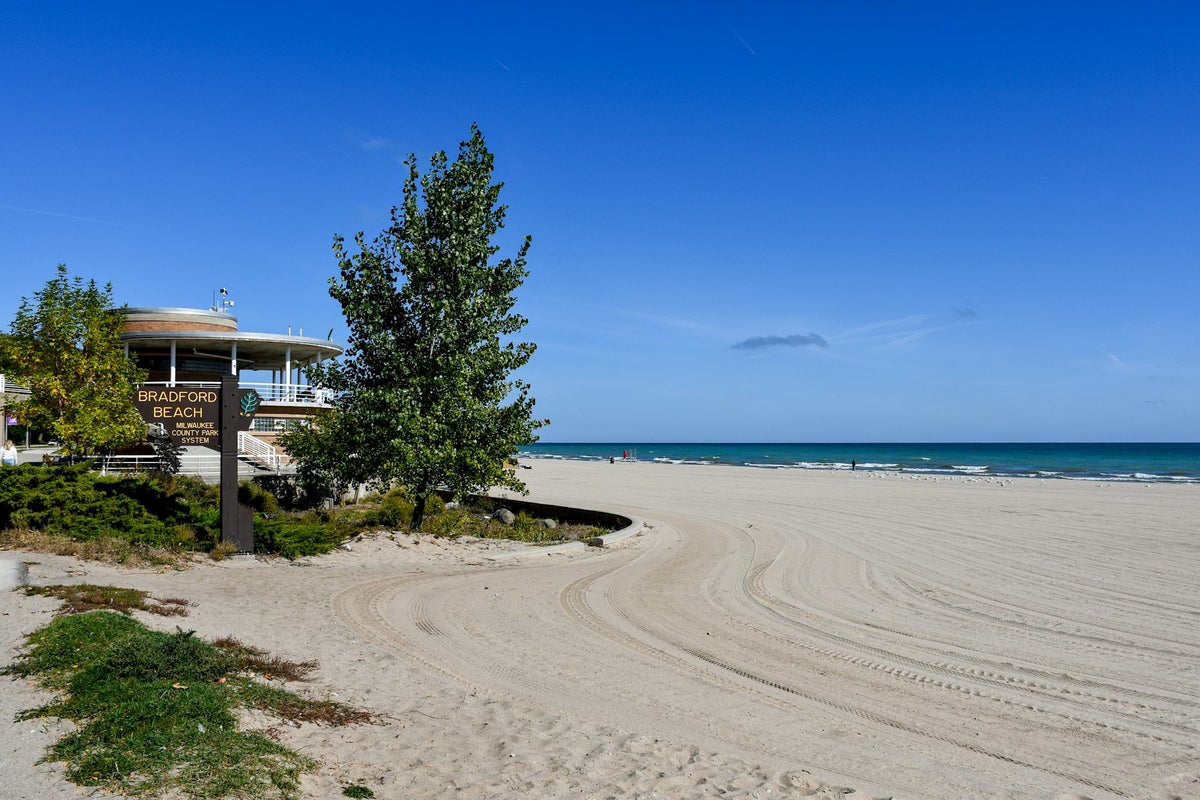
156, 712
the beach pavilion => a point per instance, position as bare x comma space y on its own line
189, 347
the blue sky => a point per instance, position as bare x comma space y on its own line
751, 221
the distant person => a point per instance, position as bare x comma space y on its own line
624, 455
8, 456
853, 465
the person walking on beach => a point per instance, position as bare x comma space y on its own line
853, 465
8, 456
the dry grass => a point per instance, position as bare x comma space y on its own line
83, 597
107, 550
222, 551
252, 659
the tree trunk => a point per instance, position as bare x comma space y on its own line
419, 506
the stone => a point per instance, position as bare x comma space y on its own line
596, 541
505, 516
548, 524
13, 573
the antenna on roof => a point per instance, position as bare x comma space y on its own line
225, 303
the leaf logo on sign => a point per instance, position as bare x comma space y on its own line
249, 404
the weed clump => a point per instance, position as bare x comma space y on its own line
156, 711
81, 597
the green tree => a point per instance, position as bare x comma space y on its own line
424, 396
66, 347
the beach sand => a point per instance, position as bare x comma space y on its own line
765, 634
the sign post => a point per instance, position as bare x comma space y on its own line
209, 418
237, 409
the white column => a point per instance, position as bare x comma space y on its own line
287, 366
171, 380
233, 369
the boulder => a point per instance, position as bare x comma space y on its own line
548, 524
504, 516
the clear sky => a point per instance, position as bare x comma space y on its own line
756, 221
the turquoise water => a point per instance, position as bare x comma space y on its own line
1156, 461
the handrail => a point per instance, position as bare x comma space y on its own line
299, 394
189, 463
259, 450
193, 463
290, 393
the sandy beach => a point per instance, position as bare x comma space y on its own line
764, 634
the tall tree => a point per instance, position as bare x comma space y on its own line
425, 395
65, 345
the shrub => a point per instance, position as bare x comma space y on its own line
143, 511
73, 501
294, 536
395, 511
252, 494
292, 492
448, 523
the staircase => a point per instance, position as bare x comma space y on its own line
255, 451
254, 458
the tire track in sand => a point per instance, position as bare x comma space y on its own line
574, 598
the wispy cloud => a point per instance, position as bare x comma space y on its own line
743, 41
367, 142
903, 331
883, 328
794, 340
912, 337
502, 65
370, 213
60, 215
684, 324
1117, 362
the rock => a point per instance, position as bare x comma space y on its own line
596, 541
13, 574
571, 536
548, 524
505, 516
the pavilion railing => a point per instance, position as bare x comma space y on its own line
288, 393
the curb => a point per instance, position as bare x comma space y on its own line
634, 527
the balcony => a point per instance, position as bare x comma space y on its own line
300, 396
289, 394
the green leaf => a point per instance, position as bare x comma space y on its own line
249, 403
